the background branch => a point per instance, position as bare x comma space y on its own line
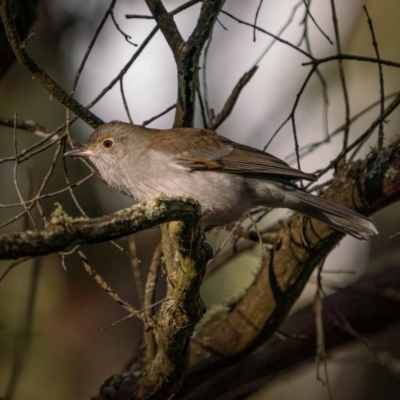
25, 14
37, 73
371, 304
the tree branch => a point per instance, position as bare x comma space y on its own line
186, 261
37, 73
375, 294
159, 374
166, 23
62, 231
231, 101
336, 57
186, 54
24, 15
188, 61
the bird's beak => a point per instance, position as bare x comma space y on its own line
79, 152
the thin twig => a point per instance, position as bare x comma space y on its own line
315, 22
47, 195
342, 77
176, 11
292, 112
125, 69
149, 297
309, 148
338, 57
268, 33
11, 266
38, 74
91, 44
125, 35
320, 345
381, 82
104, 285
205, 108
150, 120
29, 126
22, 342
26, 153
280, 33
255, 19
392, 106
16, 185
231, 101
136, 270
121, 86
317, 71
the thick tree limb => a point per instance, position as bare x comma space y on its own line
186, 54
369, 305
63, 231
186, 260
166, 23
160, 372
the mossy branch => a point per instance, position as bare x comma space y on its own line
63, 231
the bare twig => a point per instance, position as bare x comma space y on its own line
40, 196
392, 106
136, 270
309, 148
231, 101
11, 266
307, 6
338, 57
342, 77
22, 342
255, 19
381, 82
91, 44
149, 298
121, 86
174, 12
16, 185
126, 36
49, 84
268, 33
104, 285
280, 33
320, 351
30, 126
166, 111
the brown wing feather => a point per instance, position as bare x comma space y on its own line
206, 150
244, 159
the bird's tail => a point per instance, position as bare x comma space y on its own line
337, 217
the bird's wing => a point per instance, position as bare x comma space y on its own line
244, 159
206, 150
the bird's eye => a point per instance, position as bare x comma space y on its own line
108, 143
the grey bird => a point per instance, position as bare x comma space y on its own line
227, 178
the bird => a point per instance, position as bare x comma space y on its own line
227, 178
